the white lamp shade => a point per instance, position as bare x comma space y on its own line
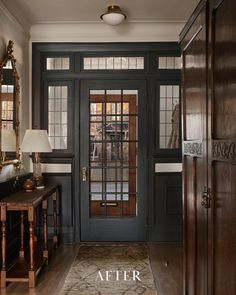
113, 19
36, 141
8, 140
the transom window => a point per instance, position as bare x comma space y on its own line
169, 62
114, 63
58, 63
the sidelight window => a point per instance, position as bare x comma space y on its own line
169, 117
57, 116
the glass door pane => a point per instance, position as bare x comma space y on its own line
113, 153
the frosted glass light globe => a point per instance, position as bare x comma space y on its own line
114, 16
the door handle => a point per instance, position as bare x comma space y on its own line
206, 198
84, 173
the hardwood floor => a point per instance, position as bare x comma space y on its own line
51, 280
167, 267
166, 263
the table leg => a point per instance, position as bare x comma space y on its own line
31, 246
35, 226
3, 271
22, 235
45, 230
55, 237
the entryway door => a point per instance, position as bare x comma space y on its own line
113, 160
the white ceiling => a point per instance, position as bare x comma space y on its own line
29, 12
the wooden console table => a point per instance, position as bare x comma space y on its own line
28, 266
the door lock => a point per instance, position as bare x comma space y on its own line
84, 173
206, 198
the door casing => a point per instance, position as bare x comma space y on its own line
125, 228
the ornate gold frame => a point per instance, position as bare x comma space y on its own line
10, 57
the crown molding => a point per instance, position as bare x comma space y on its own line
23, 29
100, 32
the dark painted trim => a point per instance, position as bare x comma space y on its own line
161, 47
151, 74
77, 176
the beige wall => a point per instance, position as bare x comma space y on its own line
100, 32
11, 30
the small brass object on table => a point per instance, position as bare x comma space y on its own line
28, 185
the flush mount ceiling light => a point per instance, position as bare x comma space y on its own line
114, 16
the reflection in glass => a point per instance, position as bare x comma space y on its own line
113, 152
113, 63
169, 117
169, 62
7, 100
57, 116
96, 187
57, 63
96, 174
96, 108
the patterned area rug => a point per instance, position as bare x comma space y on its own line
109, 269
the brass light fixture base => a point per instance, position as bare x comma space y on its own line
113, 10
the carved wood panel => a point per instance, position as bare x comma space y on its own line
224, 150
193, 148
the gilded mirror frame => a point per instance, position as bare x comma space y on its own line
6, 58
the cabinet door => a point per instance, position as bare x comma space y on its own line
194, 94
222, 163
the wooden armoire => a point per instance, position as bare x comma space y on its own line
208, 44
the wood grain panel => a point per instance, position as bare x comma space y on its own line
222, 163
194, 108
190, 227
224, 229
